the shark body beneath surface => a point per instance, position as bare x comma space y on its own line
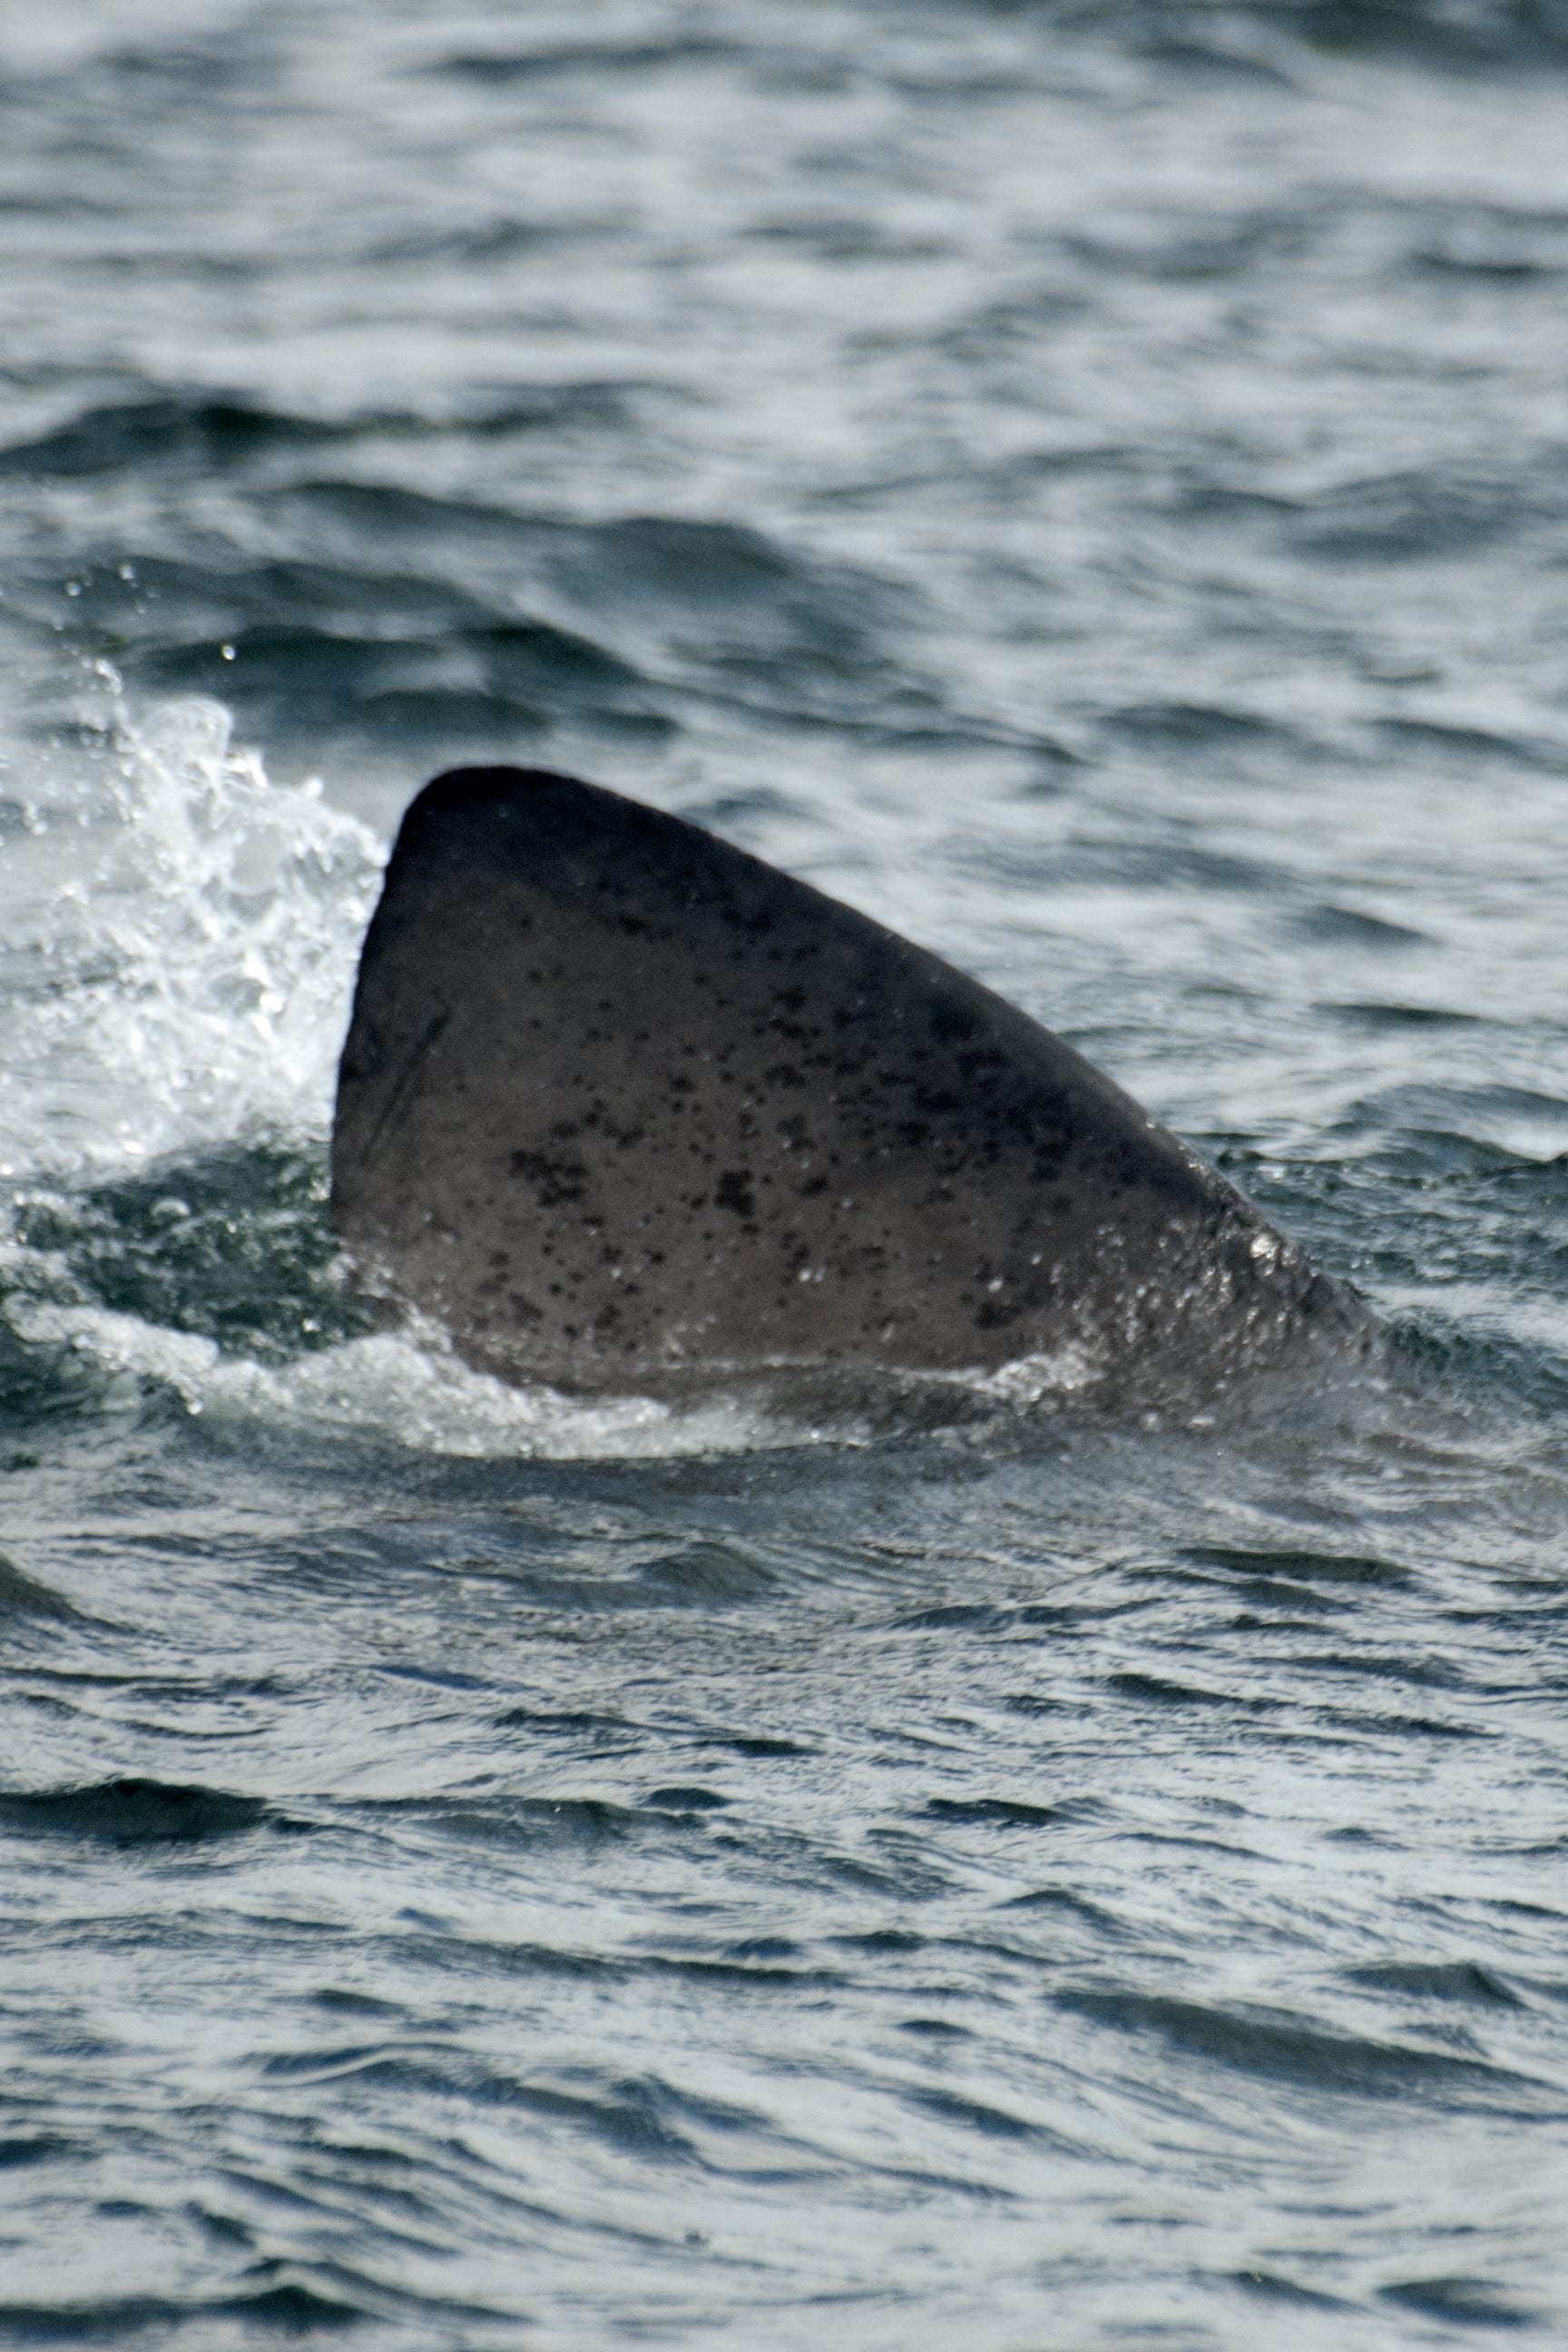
621, 1105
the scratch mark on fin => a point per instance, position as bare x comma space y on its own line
403, 1084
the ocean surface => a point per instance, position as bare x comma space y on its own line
1086, 483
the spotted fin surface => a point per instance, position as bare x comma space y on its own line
619, 1101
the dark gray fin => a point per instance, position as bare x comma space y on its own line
619, 1101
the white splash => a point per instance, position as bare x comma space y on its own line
184, 975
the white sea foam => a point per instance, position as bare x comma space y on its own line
404, 1386
194, 935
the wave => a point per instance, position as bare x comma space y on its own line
1277, 2045
1441, 35
134, 1813
329, 611
189, 428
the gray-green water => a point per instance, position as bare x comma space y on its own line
1087, 485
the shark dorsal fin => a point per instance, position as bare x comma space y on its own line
619, 1101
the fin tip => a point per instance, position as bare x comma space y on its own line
459, 789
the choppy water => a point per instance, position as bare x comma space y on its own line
1086, 484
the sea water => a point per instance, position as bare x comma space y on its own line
1085, 484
